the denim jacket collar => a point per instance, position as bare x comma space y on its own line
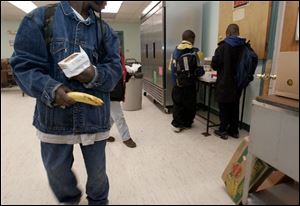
67, 10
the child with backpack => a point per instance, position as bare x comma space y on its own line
185, 69
235, 62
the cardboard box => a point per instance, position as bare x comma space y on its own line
273, 179
234, 174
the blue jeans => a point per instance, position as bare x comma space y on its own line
58, 160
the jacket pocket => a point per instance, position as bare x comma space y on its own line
62, 118
58, 51
58, 46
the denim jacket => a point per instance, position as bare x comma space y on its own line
37, 73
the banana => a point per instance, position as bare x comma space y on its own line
85, 98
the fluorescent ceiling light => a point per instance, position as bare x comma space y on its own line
26, 6
112, 7
150, 6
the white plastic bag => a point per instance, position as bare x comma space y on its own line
133, 68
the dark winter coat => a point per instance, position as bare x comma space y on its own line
226, 57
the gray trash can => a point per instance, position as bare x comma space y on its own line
133, 94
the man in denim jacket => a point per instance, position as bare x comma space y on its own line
61, 122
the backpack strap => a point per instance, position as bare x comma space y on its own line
101, 44
48, 20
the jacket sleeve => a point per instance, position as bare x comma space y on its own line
30, 62
108, 70
217, 59
199, 70
175, 55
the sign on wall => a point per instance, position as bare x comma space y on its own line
11, 37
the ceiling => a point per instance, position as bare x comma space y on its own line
129, 12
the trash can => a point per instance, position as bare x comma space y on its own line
133, 94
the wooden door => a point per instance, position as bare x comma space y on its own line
286, 59
253, 19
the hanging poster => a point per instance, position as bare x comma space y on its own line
160, 71
238, 14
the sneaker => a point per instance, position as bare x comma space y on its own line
177, 129
110, 139
130, 143
222, 135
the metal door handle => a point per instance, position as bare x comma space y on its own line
273, 76
261, 76
153, 50
266, 76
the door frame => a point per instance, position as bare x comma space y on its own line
121, 38
277, 43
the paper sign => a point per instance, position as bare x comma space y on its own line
160, 70
154, 77
238, 14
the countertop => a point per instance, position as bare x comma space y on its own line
283, 102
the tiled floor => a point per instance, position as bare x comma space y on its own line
165, 168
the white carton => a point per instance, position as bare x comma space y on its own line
209, 76
75, 63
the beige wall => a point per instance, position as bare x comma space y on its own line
132, 42
131, 38
6, 27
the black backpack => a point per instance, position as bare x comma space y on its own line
186, 66
246, 67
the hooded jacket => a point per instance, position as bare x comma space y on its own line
224, 61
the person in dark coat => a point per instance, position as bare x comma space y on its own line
224, 61
116, 113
